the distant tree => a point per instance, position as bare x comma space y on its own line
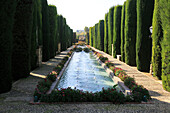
143, 43
123, 32
110, 29
91, 36
95, 30
106, 33
7, 11
116, 31
130, 32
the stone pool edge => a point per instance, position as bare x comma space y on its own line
126, 91
60, 75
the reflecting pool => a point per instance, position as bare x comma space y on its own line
85, 73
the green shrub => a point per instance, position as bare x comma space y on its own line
22, 31
86, 50
52, 76
95, 30
109, 64
103, 59
143, 42
123, 32
7, 11
116, 31
130, 32
130, 82
106, 33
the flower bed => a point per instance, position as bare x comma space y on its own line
138, 92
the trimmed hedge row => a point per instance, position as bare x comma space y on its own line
116, 30
123, 32
130, 32
143, 42
100, 35
106, 33
6, 26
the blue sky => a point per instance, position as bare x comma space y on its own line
81, 13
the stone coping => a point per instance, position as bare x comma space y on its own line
60, 75
117, 80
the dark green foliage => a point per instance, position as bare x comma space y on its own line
123, 32
91, 36
100, 35
45, 31
7, 11
116, 31
60, 30
110, 29
39, 23
34, 38
53, 28
87, 38
130, 32
156, 41
165, 17
143, 43
22, 31
95, 30
106, 33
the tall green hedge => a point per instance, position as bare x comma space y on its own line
34, 37
123, 32
91, 36
57, 35
110, 29
45, 31
130, 32
95, 30
22, 31
60, 30
165, 17
106, 33
53, 28
143, 45
116, 31
157, 35
39, 23
7, 11
100, 36
87, 38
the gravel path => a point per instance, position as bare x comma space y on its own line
17, 100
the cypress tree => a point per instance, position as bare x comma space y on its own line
39, 23
165, 17
110, 29
95, 30
100, 36
57, 34
156, 41
6, 25
91, 36
123, 32
53, 28
116, 31
87, 38
143, 43
60, 29
130, 32
33, 58
22, 39
45, 31
106, 33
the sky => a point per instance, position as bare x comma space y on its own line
81, 13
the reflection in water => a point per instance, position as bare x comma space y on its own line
85, 73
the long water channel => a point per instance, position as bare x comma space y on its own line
85, 73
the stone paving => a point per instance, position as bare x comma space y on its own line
17, 100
